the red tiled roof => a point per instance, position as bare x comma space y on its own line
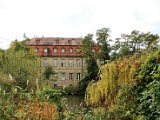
54, 41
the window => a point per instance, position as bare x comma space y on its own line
55, 50
63, 50
78, 62
71, 76
70, 62
62, 76
36, 50
45, 62
69, 42
55, 63
71, 50
63, 63
78, 76
45, 50
37, 41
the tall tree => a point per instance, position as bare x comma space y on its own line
91, 64
102, 39
87, 45
151, 40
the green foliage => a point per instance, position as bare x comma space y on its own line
16, 46
92, 74
136, 41
113, 75
90, 58
19, 63
114, 55
149, 87
21, 104
104, 53
84, 114
48, 72
87, 43
71, 90
128, 88
50, 94
102, 39
140, 99
149, 107
102, 35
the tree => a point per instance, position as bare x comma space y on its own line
151, 40
48, 72
87, 45
136, 41
102, 35
102, 40
20, 62
91, 64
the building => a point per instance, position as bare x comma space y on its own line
64, 55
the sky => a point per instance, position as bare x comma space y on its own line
75, 18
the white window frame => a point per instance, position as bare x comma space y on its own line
78, 76
71, 63
71, 76
78, 62
63, 50
45, 50
70, 50
45, 63
55, 50
62, 76
63, 63
55, 62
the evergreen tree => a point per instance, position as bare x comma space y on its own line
91, 64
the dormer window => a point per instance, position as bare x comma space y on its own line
69, 42
57, 42
45, 50
71, 50
63, 50
55, 50
37, 41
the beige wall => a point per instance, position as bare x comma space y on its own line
66, 69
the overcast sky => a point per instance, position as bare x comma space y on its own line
75, 18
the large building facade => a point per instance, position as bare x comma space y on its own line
64, 55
